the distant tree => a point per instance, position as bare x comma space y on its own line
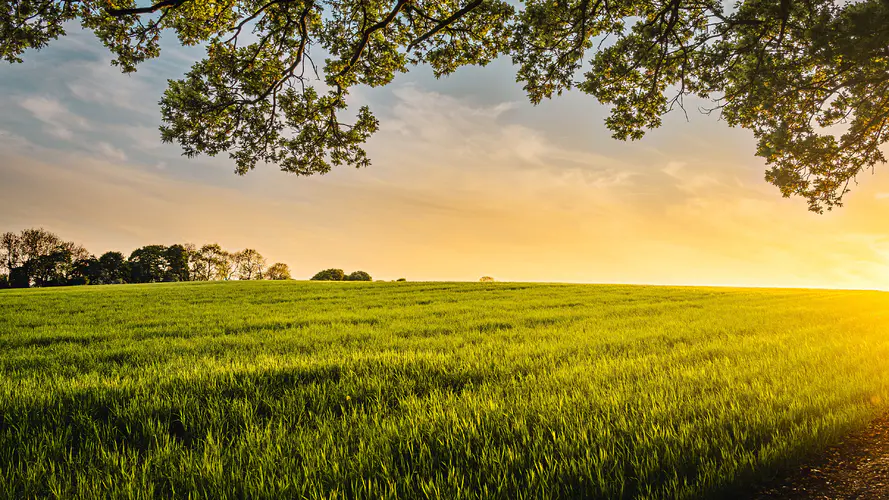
114, 268
177, 259
358, 276
227, 265
329, 275
39, 242
148, 264
250, 264
207, 261
486, 279
51, 269
86, 271
10, 251
194, 261
277, 271
401, 279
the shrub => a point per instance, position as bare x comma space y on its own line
486, 279
359, 276
278, 271
401, 279
329, 275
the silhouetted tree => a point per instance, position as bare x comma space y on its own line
114, 268
277, 271
177, 259
329, 275
86, 271
358, 276
148, 264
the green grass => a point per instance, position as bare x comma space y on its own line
463, 390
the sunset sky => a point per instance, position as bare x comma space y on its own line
468, 179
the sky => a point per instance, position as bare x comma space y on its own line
468, 179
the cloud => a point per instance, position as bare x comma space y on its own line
111, 152
58, 120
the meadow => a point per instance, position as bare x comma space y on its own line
428, 390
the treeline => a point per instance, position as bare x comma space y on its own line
36, 257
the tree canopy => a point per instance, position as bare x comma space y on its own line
809, 78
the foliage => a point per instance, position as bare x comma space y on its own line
115, 268
250, 264
468, 390
176, 257
4, 281
329, 275
809, 79
401, 279
358, 276
148, 264
486, 279
277, 271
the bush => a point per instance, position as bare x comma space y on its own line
401, 279
359, 276
486, 279
330, 275
278, 271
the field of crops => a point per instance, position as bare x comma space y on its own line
442, 390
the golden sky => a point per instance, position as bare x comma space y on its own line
468, 179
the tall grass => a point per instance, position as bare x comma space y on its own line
427, 390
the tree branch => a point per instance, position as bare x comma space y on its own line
445, 23
146, 10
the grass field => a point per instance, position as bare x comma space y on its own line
464, 390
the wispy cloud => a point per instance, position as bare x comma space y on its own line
58, 120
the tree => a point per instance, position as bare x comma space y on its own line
177, 258
10, 251
486, 279
38, 242
114, 268
277, 271
207, 262
808, 78
148, 264
329, 275
358, 276
227, 265
86, 271
250, 264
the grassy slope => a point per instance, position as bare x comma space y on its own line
415, 389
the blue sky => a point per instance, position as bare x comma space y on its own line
468, 179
